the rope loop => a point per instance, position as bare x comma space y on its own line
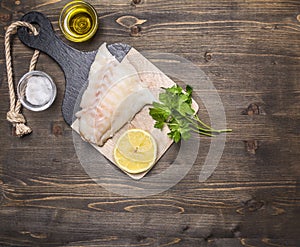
14, 115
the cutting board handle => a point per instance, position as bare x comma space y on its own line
75, 64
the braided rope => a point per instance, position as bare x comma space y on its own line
14, 115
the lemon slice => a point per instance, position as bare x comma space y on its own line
135, 151
137, 145
140, 140
131, 166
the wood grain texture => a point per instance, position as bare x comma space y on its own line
251, 52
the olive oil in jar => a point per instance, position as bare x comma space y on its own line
78, 21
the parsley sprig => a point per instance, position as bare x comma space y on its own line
175, 110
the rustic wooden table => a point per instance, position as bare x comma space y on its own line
251, 52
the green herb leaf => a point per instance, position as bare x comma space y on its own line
159, 125
175, 110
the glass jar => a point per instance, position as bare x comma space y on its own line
78, 21
36, 90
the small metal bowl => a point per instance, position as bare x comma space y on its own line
50, 92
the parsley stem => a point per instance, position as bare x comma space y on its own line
202, 132
212, 129
208, 131
192, 121
205, 125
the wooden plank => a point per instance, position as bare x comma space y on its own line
250, 51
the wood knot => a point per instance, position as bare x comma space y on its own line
57, 129
253, 205
135, 2
207, 56
236, 232
277, 211
5, 17
135, 31
140, 238
17, 2
298, 17
37, 235
252, 109
185, 228
250, 206
208, 238
129, 21
251, 146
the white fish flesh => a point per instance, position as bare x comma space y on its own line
113, 96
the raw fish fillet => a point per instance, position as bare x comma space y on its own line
113, 96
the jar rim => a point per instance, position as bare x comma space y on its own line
63, 25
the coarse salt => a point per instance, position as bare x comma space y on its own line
38, 90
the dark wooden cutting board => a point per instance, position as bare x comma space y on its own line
75, 64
